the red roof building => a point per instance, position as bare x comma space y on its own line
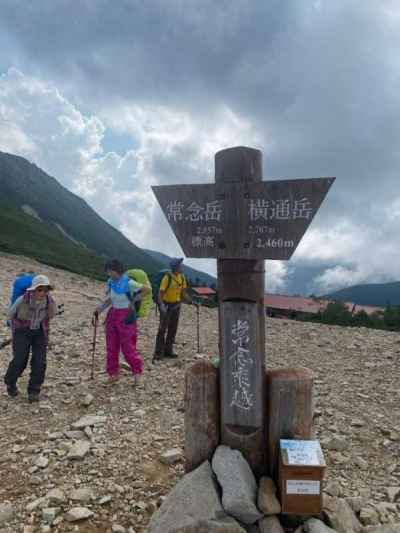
281, 305
204, 291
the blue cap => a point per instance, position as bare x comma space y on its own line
175, 262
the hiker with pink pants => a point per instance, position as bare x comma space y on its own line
120, 323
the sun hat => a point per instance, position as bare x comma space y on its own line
40, 281
175, 262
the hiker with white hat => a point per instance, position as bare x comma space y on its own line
30, 316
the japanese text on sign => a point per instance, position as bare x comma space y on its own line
194, 212
241, 360
261, 209
294, 486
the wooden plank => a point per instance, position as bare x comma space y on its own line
241, 366
202, 416
290, 411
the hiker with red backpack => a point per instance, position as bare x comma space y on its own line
123, 298
171, 293
30, 315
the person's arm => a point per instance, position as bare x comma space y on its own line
102, 306
52, 309
12, 310
161, 293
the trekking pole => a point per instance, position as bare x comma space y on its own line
94, 324
198, 327
5, 343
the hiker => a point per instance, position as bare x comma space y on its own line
172, 291
121, 328
30, 315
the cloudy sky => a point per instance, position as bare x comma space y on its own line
112, 96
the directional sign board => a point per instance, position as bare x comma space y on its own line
249, 220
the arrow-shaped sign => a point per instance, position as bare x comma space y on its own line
248, 220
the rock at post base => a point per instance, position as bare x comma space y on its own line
224, 524
202, 433
239, 487
194, 498
316, 526
341, 515
267, 501
390, 528
270, 524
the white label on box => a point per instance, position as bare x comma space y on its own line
294, 486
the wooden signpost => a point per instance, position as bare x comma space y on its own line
241, 220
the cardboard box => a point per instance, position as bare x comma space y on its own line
301, 471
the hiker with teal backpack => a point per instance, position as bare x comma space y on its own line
171, 293
123, 298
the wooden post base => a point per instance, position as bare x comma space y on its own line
202, 408
290, 409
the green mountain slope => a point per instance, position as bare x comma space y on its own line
380, 294
196, 276
22, 234
65, 221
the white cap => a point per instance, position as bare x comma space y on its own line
40, 281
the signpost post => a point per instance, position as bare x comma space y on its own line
241, 220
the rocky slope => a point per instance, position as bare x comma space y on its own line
110, 466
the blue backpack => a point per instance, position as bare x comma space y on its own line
156, 282
21, 283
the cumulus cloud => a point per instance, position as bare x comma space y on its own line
312, 84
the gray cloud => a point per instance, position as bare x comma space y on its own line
317, 81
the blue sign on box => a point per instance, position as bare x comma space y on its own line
303, 452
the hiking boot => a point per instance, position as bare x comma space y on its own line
171, 355
33, 397
12, 391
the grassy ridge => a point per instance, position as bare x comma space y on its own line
23, 234
23, 183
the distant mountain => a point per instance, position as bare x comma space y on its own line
42, 219
380, 294
194, 276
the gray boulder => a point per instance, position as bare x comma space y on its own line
270, 524
225, 524
316, 526
267, 500
341, 515
392, 528
193, 499
239, 487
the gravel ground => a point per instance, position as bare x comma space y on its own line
357, 412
